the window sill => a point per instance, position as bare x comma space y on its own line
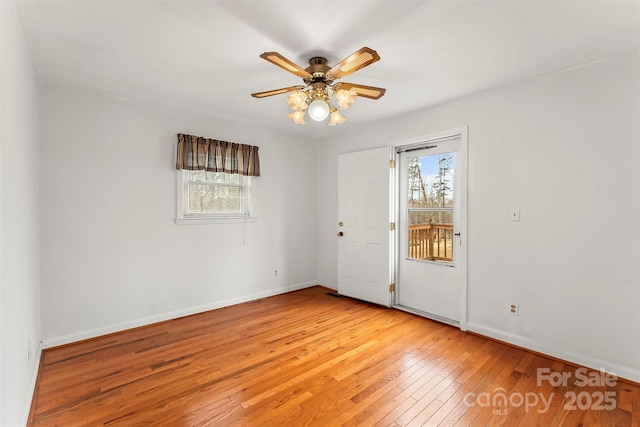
213, 220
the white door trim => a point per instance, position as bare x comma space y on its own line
414, 142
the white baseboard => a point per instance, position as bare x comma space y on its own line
110, 329
32, 385
590, 362
303, 285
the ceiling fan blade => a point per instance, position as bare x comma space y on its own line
357, 61
371, 92
282, 62
276, 91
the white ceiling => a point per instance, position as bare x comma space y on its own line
203, 56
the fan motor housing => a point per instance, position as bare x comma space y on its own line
318, 69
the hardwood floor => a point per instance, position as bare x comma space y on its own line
308, 358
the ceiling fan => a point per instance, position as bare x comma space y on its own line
320, 86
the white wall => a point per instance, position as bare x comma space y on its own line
564, 149
19, 246
112, 255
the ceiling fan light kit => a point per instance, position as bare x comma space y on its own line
320, 87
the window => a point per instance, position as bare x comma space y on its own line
216, 180
430, 207
212, 197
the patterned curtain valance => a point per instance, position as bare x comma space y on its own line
198, 153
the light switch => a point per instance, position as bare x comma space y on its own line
514, 214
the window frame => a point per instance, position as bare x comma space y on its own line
183, 217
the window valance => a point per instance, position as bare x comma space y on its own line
198, 153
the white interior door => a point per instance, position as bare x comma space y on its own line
364, 242
431, 275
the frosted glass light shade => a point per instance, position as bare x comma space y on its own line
346, 98
297, 100
297, 117
336, 118
318, 110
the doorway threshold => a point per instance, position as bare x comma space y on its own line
428, 315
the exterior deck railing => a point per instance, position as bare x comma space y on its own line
431, 241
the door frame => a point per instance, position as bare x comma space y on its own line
415, 142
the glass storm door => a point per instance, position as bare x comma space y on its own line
430, 279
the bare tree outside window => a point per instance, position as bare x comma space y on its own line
215, 193
430, 207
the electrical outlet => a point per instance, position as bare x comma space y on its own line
514, 309
275, 273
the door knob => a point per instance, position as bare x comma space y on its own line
340, 234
